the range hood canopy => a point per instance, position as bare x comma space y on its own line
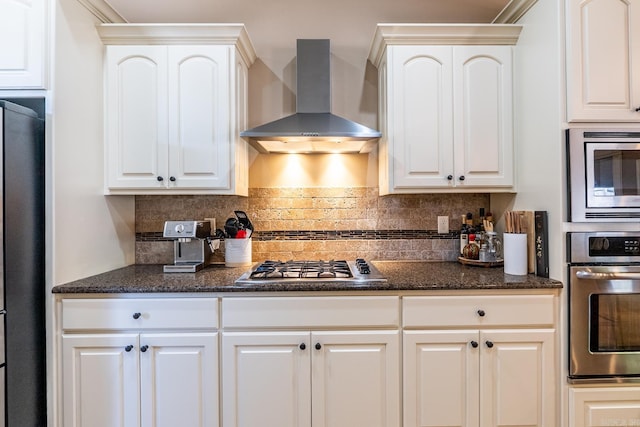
312, 129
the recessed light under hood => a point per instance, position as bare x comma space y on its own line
312, 129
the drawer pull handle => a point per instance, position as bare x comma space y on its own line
474, 344
489, 344
318, 346
481, 313
144, 348
128, 348
136, 315
303, 346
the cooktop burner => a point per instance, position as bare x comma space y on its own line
284, 271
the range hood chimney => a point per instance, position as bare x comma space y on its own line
312, 129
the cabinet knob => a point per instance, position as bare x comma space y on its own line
318, 346
481, 313
136, 315
160, 179
128, 348
489, 343
474, 344
638, 109
172, 178
449, 177
461, 177
303, 346
144, 348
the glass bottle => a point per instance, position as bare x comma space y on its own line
494, 246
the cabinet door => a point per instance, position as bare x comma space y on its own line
355, 379
136, 117
419, 124
603, 58
266, 379
100, 386
441, 378
483, 117
200, 132
518, 374
179, 379
604, 406
22, 35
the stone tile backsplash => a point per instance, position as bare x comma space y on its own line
317, 223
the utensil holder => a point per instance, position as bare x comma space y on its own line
515, 253
237, 252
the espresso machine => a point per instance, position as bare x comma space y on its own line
192, 246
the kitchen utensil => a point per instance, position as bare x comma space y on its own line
231, 227
244, 220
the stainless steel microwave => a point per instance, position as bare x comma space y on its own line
603, 175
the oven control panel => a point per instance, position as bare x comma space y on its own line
604, 247
614, 246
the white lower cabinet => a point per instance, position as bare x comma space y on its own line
101, 384
140, 378
474, 374
472, 360
604, 406
318, 378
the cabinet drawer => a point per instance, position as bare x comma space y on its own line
140, 313
311, 312
478, 311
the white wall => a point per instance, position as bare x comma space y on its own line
539, 121
539, 114
92, 233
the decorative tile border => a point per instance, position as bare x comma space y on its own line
291, 235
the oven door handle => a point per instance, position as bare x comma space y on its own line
589, 275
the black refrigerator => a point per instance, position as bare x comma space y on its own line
22, 234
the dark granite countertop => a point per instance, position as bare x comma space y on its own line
401, 276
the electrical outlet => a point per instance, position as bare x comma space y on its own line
212, 221
443, 224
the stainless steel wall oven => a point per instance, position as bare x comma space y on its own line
604, 306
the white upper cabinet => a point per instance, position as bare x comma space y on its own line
174, 109
603, 59
445, 107
23, 27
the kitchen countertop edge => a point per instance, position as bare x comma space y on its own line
401, 276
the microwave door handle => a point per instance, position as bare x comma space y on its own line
589, 275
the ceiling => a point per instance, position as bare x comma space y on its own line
279, 11
278, 22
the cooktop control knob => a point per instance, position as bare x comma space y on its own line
179, 228
362, 266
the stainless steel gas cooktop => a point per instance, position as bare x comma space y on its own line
358, 271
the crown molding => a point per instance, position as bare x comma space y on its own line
513, 11
179, 34
441, 34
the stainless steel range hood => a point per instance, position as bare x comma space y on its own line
312, 129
